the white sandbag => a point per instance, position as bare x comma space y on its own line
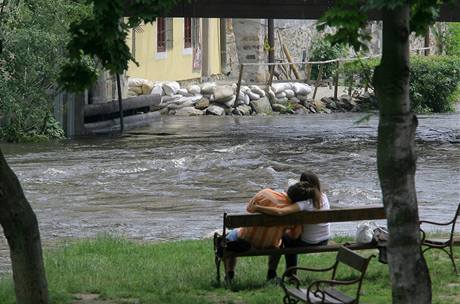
245, 89
157, 90
182, 91
136, 90
301, 88
194, 89
147, 87
167, 98
208, 88
223, 93
302, 97
253, 96
247, 99
257, 90
170, 88
280, 95
289, 93
136, 82
280, 87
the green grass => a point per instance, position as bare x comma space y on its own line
184, 272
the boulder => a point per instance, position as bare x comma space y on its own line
271, 95
166, 99
282, 101
223, 93
185, 104
299, 109
215, 110
302, 97
244, 109
202, 104
319, 105
170, 88
282, 109
261, 106
136, 82
294, 100
136, 90
188, 111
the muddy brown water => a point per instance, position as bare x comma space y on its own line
174, 179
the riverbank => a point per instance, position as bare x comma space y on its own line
109, 270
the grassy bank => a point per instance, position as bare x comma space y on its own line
122, 271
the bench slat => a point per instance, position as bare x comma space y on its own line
297, 250
305, 217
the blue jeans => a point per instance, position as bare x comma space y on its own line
291, 259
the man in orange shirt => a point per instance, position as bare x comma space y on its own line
267, 237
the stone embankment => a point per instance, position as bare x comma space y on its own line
221, 99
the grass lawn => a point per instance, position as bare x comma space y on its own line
121, 271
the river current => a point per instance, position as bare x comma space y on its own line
174, 179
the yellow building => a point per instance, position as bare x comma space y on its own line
176, 49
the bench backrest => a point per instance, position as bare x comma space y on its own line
305, 217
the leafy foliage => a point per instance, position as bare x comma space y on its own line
33, 35
433, 81
103, 35
349, 18
453, 39
433, 85
322, 50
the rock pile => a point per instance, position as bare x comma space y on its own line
222, 99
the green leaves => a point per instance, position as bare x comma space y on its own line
423, 14
349, 18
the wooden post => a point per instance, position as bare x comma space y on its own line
120, 103
320, 75
336, 80
307, 72
238, 87
288, 57
270, 77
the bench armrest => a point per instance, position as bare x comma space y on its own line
315, 287
435, 223
287, 275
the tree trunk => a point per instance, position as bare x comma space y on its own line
396, 160
21, 230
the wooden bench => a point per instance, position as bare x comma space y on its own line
306, 217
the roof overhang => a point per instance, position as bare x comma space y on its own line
274, 9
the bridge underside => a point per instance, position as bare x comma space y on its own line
274, 9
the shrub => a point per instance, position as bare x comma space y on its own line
321, 50
453, 39
33, 35
433, 82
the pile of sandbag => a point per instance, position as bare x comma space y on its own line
220, 99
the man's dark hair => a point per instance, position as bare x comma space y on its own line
300, 191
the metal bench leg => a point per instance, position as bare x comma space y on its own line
451, 255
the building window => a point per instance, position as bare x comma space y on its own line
187, 33
161, 35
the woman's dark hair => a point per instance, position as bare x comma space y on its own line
301, 191
313, 180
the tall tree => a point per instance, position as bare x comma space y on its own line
20, 227
396, 156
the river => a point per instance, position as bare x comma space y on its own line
175, 178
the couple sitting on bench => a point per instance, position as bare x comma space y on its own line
305, 195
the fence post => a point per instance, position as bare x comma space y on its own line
320, 75
336, 80
238, 87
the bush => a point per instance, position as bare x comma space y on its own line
321, 50
33, 34
453, 39
434, 81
